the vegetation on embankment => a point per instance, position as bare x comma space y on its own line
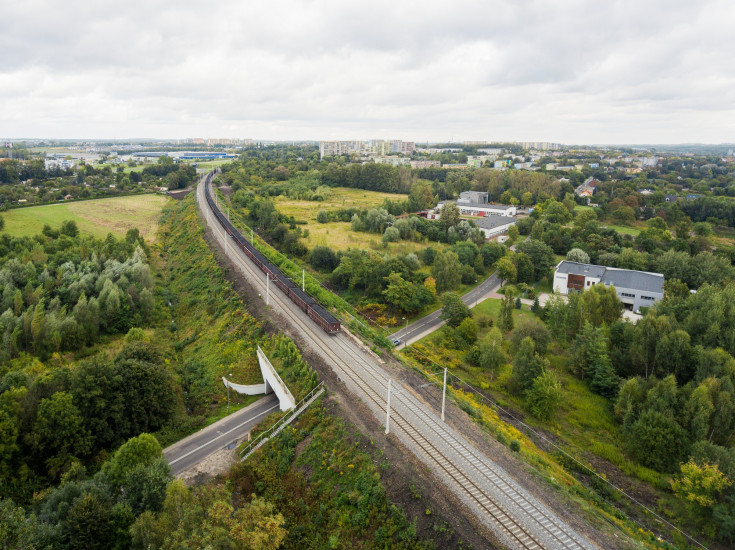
326, 481
163, 377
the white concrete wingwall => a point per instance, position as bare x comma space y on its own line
254, 389
272, 383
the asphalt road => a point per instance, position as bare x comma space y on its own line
483, 486
190, 451
420, 328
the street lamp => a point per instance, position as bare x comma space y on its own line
228, 393
405, 320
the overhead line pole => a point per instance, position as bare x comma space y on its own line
444, 393
387, 411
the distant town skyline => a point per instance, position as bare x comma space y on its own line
569, 72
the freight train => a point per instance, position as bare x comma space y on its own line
306, 303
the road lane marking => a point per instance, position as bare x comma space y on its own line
222, 435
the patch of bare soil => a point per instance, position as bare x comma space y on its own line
215, 464
179, 194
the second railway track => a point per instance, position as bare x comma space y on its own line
515, 516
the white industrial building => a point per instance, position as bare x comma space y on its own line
635, 289
474, 203
492, 226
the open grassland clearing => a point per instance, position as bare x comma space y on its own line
97, 217
340, 197
340, 236
624, 229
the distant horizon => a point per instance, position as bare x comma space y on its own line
316, 141
566, 72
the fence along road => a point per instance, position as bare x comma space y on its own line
517, 518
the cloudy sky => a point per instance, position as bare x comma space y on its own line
584, 71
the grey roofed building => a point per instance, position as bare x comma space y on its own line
473, 197
575, 268
461, 202
474, 203
491, 222
635, 289
492, 226
479, 198
640, 280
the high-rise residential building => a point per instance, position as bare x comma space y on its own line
377, 147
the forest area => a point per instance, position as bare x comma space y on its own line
84, 416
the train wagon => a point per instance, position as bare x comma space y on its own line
306, 303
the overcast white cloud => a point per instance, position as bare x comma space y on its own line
573, 71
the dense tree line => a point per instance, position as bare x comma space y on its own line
61, 290
93, 511
32, 182
53, 416
173, 175
671, 377
680, 251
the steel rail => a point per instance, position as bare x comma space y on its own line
507, 523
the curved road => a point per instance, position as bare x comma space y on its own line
517, 518
421, 327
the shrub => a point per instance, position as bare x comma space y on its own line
322, 216
323, 258
391, 235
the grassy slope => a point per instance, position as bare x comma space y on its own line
583, 425
96, 217
328, 490
624, 229
326, 480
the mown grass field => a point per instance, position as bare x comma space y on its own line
96, 217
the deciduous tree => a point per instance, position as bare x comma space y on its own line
446, 271
454, 310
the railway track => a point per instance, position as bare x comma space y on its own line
515, 516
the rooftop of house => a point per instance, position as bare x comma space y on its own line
620, 278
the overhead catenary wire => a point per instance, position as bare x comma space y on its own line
494, 404
540, 435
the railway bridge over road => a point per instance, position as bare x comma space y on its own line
271, 383
518, 519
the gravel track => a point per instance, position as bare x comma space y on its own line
515, 516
